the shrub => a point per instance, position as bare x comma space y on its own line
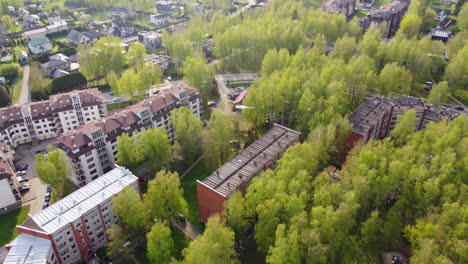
68, 82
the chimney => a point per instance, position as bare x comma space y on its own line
241, 176
228, 185
286, 135
255, 163
265, 154
274, 136
279, 144
217, 172
250, 153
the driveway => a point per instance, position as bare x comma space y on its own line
221, 81
35, 196
25, 95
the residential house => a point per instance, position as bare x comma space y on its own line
22, 13
77, 38
238, 173
160, 19
122, 29
91, 148
72, 229
58, 65
54, 18
443, 14
165, 6
366, 3
345, 7
4, 40
39, 46
44, 31
378, 116
2, 80
390, 15
151, 39
121, 13
23, 57
163, 61
440, 34
30, 22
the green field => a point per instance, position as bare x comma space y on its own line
8, 223
379, 3
189, 184
17, 85
117, 106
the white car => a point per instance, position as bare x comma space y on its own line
20, 173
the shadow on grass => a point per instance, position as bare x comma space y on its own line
9, 221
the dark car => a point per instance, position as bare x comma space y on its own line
24, 189
24, 180
45, 205
47, 198
21, 167
142, 180
49, 188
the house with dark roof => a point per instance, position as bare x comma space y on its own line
30, 22
77, 38
39, 46
58, 65
151, 40
345, 7
54, 18
122, 29
121, 13
160, 19
440, 34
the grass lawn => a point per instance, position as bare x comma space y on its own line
8, 223
189, 183
99, 16
17, 85
361, 13
144, 21
180, 242
117, 106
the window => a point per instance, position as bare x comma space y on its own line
92, 166
93, 171
68, 233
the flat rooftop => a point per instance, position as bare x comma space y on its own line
28, 249
246, 165
76, 204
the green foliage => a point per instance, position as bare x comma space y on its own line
188, 128
462, 19
215, 246
155, 146
130, 209
196, 74
164, 199
457, 70
439, 94
237, 214
217, 140
115, 248
160, 245
40, 85
410, 25
135, 81
68, 82
128, 154
10, 71
53, 168
394, 79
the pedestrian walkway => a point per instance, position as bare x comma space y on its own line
189, 229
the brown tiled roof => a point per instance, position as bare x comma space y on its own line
31, 224
74, 140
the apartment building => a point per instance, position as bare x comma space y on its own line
237, 173
36, 121
10, 196
72, 229
91, 147
377, 116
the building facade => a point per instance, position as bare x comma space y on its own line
160, 19
91, 148
237, 173
345, 7
377, 116
10, 196
389, 15
72, 229
36, 121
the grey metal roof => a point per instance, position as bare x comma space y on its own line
81, 201
28, 249
437, 32
246, 165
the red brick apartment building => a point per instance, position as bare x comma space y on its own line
237, 173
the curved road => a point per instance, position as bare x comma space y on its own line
25, 95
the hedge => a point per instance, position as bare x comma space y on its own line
44, 57
68, 82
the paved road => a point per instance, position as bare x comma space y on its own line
35, 196
25, 95
223, 90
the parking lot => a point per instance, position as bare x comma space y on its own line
110, 98
35, 196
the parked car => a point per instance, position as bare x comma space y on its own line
45, 205
21, 180
21, 167
211, 103
49, 188
21, 173
47, 198
24, 189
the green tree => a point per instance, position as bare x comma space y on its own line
188, 129
136, 54
160, 245
128, 155
462, 19
394, 79
165, 198
457, 71
215, 246
197, 74
439, 94
428, 19
287, 246
4, 97
53, 169
40, 85
237, 214
410, 25
344, 48
405, 126
130, 209
156, 148
6, 21
370, 230
370, 43
268, 219
217, 140
115, 248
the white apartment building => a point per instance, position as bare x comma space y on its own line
10, 196
91, 148
33, 122
72, 229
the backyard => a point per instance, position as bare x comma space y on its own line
9, 221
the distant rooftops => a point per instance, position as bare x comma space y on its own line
246, 165
28, 249
79, 202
